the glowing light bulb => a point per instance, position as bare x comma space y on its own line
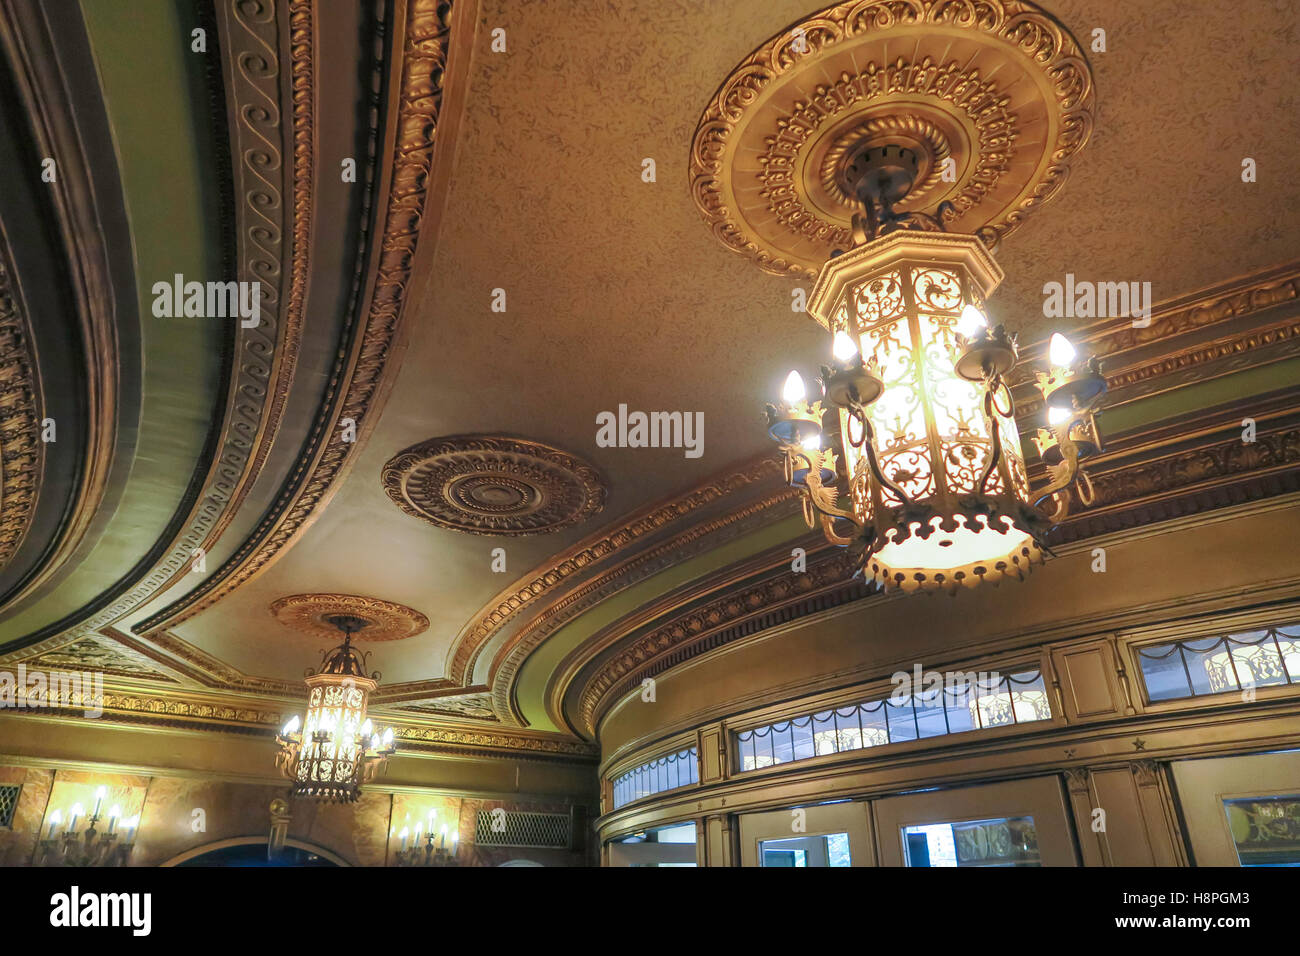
367, 728
813, 442
113, 816
1058, 416
971, 322
1060, 353
292, 726
793, 390
388, 736
843, 348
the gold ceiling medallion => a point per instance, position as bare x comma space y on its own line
493, 485
314, 614
991, 99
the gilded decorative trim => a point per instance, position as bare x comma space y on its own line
714, 623
21, 450
262, 720
266, 354
28, 49
603, 546
1235, 350
360, 375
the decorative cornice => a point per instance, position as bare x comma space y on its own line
603, 547
827, 582
265, 355
1138, 486
88, 655
21, 448
1197, 464
359, 381
1139, 362
251, 717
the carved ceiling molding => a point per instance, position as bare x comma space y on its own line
602, 547
827, 582
27, 43
493, 485
468, 706
361, 377
166, 648
702, 537
186, 713
1243, 343
266, 355
21, 448
385, 620
1196, 465
1145, 483
1002, 86
88, 655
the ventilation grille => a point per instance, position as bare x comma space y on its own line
8, 804
500, 827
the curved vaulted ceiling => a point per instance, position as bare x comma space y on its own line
464, 263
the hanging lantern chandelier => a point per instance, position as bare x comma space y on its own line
883, 150
937, 495
335, 749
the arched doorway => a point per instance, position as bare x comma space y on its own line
251, 851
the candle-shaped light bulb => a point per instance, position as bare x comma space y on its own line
972, 321
292, 726
813, 442
455, 842
1060, 353
388, 737
72, 817
1057, 415
842, 347
444, 836
130, 827
113, 816
99, 801
375, 742
793, 390
405, 834
368, 728
55, 819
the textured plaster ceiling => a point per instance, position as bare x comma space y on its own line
617, 293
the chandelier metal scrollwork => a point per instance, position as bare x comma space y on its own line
336, 749
932, 469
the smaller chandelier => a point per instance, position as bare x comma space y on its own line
336, 749
937, 495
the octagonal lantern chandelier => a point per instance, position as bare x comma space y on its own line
948, 123
333, 751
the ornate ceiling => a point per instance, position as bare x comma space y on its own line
411, 432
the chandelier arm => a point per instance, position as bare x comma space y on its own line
995, 436
822, 498
1064, 474
1087, 495
828, 531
